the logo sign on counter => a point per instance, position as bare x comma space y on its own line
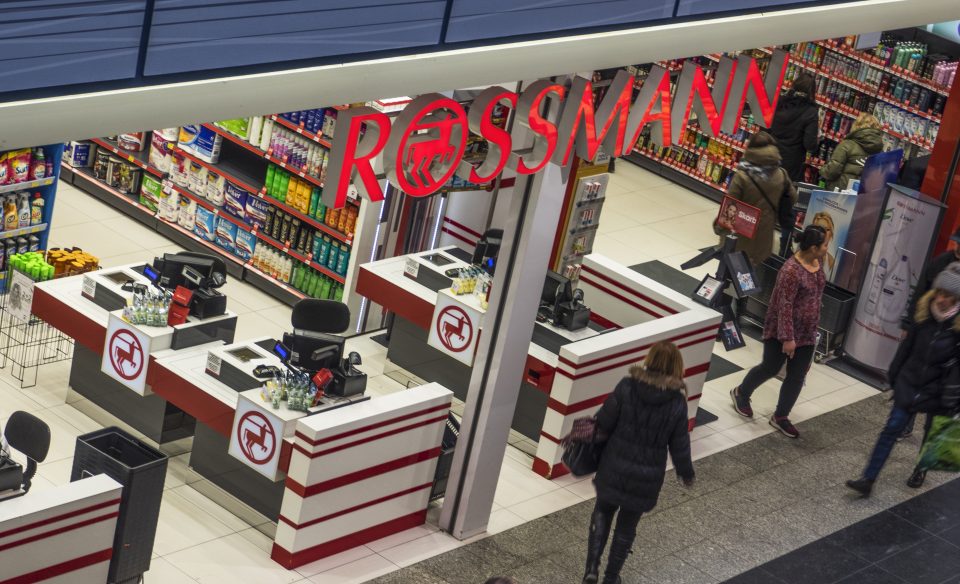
256, 438
425, 147
125, 355
455, 328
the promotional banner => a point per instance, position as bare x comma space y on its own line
879, 170
834, 212
903, 243
738, 217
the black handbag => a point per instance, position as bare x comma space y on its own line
583, 447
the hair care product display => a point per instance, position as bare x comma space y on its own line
150, 308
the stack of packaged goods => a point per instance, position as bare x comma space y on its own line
33, 264
24, 165
70, 262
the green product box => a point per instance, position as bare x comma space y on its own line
150, 190
239, 127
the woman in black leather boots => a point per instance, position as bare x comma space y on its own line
644, 417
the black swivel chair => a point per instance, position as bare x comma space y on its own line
29, 435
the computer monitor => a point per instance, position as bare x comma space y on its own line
485, 254
200, 268
313, 351
556, 289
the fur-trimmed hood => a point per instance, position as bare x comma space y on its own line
923, 313
657, 380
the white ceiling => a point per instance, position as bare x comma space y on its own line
58, 119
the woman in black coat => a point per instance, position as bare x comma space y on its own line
644, 417
923, 374
796, 125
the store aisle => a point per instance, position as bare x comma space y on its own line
646, 219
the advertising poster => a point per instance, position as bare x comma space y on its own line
903, 242
879, 170
834, 212
738, 217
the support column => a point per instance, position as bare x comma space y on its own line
502, 354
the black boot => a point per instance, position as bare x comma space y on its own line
916, 479
619, 550
596, 541
862, 486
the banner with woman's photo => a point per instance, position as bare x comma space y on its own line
834, 212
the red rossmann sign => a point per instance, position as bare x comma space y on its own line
424, 148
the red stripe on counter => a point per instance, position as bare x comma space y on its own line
62, 568
58, 531
566, 409
543, 468
403, 418
291, 560
623, 287
369, 439
605, 323
549, 437
70, 322
456, 235
360, 475
355, 508
395, 298
462, 227
620, 297
191, 399
694, 397
639, 349
58, 518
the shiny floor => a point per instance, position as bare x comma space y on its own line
203, 536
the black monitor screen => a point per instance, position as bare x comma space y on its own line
556, 288
314, 351
170, 268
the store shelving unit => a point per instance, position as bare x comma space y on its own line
245, 167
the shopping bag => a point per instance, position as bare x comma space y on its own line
941, 448
582, 447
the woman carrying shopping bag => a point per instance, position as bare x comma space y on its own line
790, 330
644, 417
922, 374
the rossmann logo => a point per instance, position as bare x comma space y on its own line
424, 147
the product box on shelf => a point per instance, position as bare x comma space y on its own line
239, 127
162, 143
77, 154
256, 211
206, 224
202, 142
227, 234
235, 201
216, 188
245, 244
150, 191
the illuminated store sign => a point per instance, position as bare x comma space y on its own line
424, 147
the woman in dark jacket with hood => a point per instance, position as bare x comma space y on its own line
796, 125
865, 139
644, 417
927, 357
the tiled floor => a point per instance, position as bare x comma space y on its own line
645, 218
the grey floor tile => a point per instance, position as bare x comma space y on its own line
713, 560
411, 575
671, 570
544, 571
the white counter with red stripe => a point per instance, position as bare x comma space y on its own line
352, 475
60, 535
640, 311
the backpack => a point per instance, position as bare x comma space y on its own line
784, 209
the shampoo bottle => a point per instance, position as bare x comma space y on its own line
36, 210
879, 275
10, 219
23, 211
896, 292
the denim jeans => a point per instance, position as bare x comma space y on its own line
896, 424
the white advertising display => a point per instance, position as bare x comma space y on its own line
20, 297
455, 327
126, 353
903, 242
256, 438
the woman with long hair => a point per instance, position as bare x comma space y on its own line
644, 417
790, 330
865, 139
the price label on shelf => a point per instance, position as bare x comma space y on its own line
89, 287
299, 130
214, 364
411, 268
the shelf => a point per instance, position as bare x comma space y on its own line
262, 280
299, 257
315, 181
682, 170
875, 62
932, 117
140, 159
299, 130
311, 221
23, 186
23, 231
230, 173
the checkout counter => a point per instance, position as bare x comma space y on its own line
568, 374
347, 471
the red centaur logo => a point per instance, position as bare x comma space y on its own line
424, 147
453, 322
256, 438
126, 354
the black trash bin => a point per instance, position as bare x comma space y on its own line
141, 470
449, 443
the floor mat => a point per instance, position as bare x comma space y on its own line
875, 381
381, 338
668, 276
704, 417
720, 367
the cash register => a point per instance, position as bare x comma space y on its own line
29, 435
561, 304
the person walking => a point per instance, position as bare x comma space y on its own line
759, 181
918, 370
865, 139
790, 330
796, 125
644, 417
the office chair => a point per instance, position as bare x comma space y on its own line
29, 435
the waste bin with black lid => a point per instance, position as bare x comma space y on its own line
141, 470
